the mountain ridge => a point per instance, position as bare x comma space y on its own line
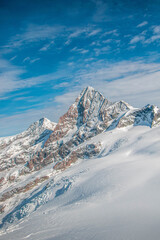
25, 157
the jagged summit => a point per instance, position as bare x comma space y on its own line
88, 93
86, 109
87, 89
42, 124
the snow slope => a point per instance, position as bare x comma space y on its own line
112, 196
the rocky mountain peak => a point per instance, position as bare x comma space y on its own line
87, 106
89, 94
86, 90
41, 125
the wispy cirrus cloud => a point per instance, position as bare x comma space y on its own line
9, 76
14, 57
155, 36
112, 32
67, 98
11, 80
79, 50
94, 32
102, 50
30, 60
34, 81
61, 85
77, 32
142, 24
153, 39
86, 32
46, 46
34, 33
138, 38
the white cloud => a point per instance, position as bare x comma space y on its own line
46, 46
3, 98
132, 47
152, 39
155, 36
113, 32
103, 50
88, 31
156, 29
83, 51
23, 98
34, 60
95, 43
108, 40
136, 39
79, 50
28, 59
67, 98
14, 57
10, 76
139, 38
32, 81
94, 32
77, 32
142, 24
89, 59
34, 33
61, 85
67, 42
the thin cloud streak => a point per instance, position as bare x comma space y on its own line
10, 77
142, 24
34, 33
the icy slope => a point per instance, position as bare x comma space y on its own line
113, 196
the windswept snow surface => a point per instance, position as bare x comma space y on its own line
115, 196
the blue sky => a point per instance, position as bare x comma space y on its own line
51, 50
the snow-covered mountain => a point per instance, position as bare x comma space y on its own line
99, 137
17, 149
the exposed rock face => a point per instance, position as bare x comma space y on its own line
88, 151
149, 116
23, 189
61, 144
2, 209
